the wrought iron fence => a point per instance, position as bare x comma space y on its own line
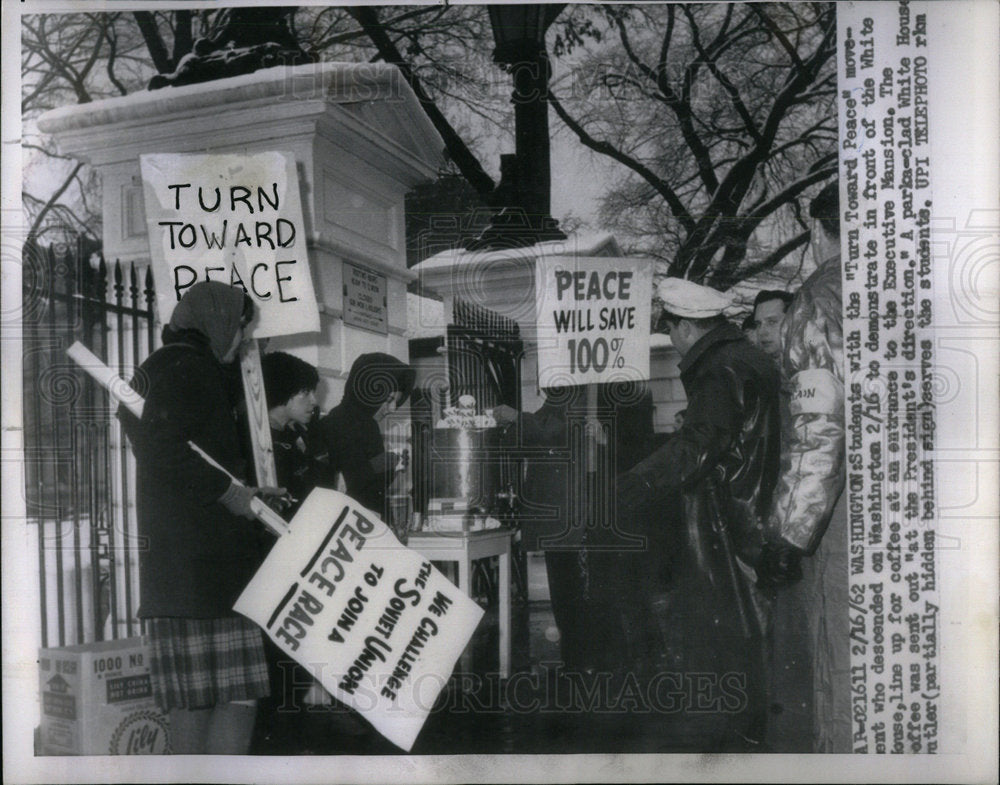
79, 471
484, 356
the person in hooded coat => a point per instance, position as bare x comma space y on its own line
376, 385
207, 662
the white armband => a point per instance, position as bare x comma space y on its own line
816, 391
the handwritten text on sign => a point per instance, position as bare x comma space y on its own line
593, 320
373, 621
235, 219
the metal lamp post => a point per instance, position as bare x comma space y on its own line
523, 196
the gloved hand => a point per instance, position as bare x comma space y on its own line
237, 500
504, 415
384, 463
278, 499
779, 565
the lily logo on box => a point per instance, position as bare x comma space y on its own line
141, 733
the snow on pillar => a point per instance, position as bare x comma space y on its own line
360, 140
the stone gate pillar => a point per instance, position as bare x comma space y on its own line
360, 140
503, 281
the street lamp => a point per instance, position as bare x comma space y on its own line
519, 30
523, 197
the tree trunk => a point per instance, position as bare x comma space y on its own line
154, 42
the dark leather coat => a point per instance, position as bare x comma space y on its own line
299, 464
725, 460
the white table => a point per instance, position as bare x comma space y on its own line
465, 548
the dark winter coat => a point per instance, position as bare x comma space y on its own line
351, 434
196, 556
299, 464
551, 441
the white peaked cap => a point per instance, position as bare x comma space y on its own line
690, 300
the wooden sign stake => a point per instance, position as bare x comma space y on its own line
260, 426
590, 432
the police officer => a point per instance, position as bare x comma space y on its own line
724, 462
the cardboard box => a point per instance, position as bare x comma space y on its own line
97, 699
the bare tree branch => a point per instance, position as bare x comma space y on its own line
778, 34
769, 261
697, 259
112, 40
53, 200
827, 167
62, 64
661, 61
467, 163
676, 206
745, 128
723, 80
95, 51
49, 153
183, 38
679, 104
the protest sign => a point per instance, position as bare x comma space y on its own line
593, 319
235, 219
377, 625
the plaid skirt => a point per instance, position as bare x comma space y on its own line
198, 663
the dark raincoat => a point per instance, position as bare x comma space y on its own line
301, 464
725, 461
551, 442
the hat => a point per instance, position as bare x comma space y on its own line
215, 310
690, 300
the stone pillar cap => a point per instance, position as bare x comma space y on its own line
340, 83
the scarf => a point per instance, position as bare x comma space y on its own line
213, 309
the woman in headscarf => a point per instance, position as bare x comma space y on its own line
199, 548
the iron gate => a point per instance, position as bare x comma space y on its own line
79, 471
